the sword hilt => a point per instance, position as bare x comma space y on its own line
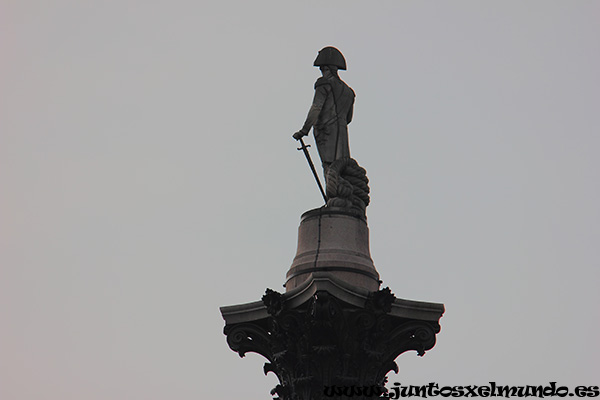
304, 146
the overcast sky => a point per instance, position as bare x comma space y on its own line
148, 176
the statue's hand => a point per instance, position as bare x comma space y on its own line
298, 135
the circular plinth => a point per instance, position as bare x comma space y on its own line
336, 241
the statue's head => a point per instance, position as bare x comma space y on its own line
327, 70
330, 56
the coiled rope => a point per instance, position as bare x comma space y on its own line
347, 184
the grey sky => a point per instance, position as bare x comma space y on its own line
149, 176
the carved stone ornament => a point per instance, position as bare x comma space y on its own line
325, 342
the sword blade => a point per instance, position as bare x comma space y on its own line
304, 148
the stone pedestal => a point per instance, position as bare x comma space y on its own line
336, 241
333, 332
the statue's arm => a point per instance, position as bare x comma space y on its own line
311, 118
350, 112
315, 109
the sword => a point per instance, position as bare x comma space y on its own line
304, 148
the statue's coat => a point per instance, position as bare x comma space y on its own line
330, 114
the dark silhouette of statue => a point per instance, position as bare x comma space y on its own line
332, 107
329, 116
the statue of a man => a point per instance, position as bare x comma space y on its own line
331, 111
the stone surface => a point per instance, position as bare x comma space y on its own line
325, 281
336, 241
